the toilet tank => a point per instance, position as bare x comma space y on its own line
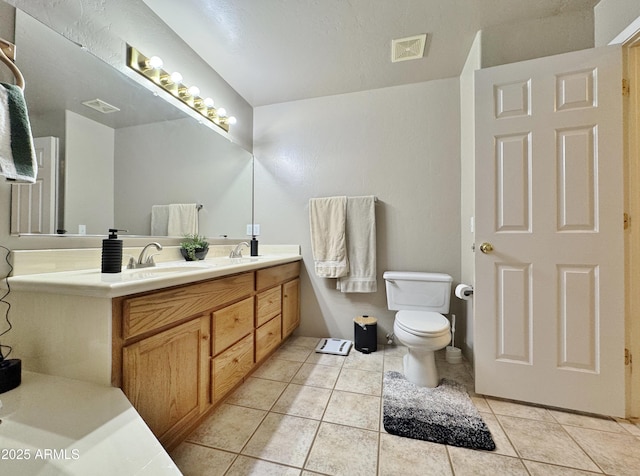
418, 291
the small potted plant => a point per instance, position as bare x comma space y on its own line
194, 247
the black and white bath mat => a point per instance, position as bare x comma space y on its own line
444, 414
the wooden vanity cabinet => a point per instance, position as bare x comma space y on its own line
276, 316
177, 352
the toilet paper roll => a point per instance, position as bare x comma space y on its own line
464, 292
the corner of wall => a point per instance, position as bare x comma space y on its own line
614, 20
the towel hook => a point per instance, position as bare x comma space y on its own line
7, 52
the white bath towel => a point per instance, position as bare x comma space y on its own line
176, 219
361, 246
327, 217
17, 154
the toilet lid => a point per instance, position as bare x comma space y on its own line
423, 323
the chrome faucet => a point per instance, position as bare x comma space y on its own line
144, 261
237, 251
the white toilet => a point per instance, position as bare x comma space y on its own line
420, 299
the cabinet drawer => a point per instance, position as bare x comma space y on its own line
268, 304
156, 310
231, 366
268, 336
268, 277
232, 323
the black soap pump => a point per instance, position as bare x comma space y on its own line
112, 252
254, 246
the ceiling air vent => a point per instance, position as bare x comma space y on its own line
101, 106
410, 48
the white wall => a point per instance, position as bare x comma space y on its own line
513, 42
401, 144
467, 187
614, 16
89, 148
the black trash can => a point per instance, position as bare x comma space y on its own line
366, 334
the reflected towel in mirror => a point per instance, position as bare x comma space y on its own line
176, 219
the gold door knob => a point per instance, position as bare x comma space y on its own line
486, 248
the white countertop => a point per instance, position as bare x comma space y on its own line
91, 282
54, 425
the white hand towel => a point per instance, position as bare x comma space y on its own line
327, 217
176, 219
17, 154
159, 220
183, 219
361, 246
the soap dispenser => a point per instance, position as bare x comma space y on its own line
112, 252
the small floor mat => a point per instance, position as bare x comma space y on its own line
444, 414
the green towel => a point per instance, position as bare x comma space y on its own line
17, 155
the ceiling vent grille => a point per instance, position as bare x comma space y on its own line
101, 106
410, 48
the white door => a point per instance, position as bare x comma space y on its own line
33, 206
549, 298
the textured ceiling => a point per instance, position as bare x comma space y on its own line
273, 51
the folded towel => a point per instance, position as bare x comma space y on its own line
183, 219
17, 154
327, 217
361, 246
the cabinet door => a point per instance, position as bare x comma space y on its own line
166, 377
290, 307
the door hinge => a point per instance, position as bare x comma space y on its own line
628, 359
625, 87
627, 220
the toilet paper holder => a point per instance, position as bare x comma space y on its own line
464, 291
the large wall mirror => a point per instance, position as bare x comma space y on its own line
114, 166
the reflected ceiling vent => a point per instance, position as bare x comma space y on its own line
101, 106
410, 48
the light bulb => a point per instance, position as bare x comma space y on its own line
194, 90
221, 112
155, 62
176, 77
208, 102
231, 120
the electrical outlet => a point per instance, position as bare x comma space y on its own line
82, 229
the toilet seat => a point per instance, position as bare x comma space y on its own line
422, 323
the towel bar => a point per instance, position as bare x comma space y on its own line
7, 54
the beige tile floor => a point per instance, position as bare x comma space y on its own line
303, 413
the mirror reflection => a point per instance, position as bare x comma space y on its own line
111, 150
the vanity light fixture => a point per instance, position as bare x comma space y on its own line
151, 68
